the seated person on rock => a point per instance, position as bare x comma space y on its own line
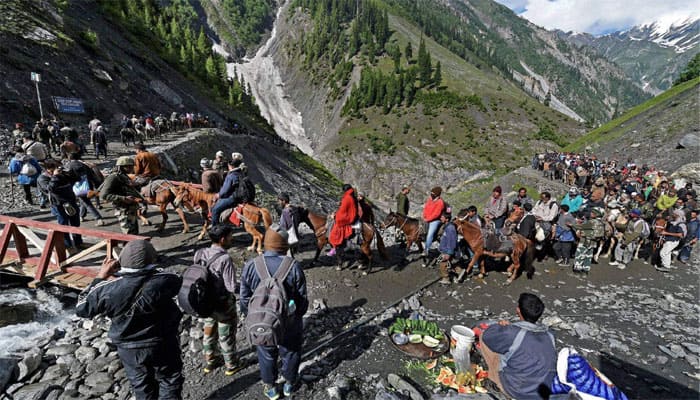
521, 356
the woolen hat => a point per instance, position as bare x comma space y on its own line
219, 153
436, 191
136, 255
276, 239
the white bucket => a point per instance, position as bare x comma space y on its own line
462, 338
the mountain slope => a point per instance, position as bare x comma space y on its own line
546, 66
453, 132
650, 132
652, 55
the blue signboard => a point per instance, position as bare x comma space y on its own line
70, 105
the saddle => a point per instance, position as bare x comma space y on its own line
496, 242
150, 188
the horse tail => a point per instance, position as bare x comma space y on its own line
528, 259
380, 243
267, 218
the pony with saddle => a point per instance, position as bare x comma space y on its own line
484, 242
251, 215
321, 227
161, 192
411, 228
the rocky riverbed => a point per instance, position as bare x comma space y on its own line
638, 326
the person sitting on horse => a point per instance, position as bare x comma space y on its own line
432, 209
574, 200
523, 198
211, 178
146, 166
448, 250
364, 209
497, 207
220, 164
346, 215
227, 198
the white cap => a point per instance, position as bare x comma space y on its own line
236, 156
219, 153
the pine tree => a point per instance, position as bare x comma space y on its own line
408, 52
210, 68
437, 76
203, 46
425, 70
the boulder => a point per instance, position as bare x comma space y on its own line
61, 350
8, 371
29, 363
689, 141
688, 173
37, 391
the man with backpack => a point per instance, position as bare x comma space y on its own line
145, 319
229, 195
223, 320
274, 300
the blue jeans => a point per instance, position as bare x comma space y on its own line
289, 350
66, 220
219, 207
684, 254
155, 372
86, 205
432, 229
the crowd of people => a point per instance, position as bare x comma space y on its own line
620, 210
623, 208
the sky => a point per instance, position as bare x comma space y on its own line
602, 16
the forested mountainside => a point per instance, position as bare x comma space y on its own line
651, 55
119, 57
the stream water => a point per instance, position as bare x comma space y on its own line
29, 318
268, 89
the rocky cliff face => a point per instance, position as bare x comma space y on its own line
81, 54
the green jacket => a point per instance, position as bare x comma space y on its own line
402, 204
665, 202
592, 229
116, 188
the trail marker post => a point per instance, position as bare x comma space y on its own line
36, 78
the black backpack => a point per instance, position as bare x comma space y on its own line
268, 307
197, 296
245, 192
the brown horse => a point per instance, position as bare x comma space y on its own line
251, 215
165, 193
192, 198
522, 252
317, 223
369, 233
409, 226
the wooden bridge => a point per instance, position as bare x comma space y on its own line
36, 249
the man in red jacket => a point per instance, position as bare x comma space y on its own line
344, 218
432, 209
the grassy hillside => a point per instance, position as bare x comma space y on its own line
616, 128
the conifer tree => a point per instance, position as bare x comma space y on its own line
408, 52
437, 76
